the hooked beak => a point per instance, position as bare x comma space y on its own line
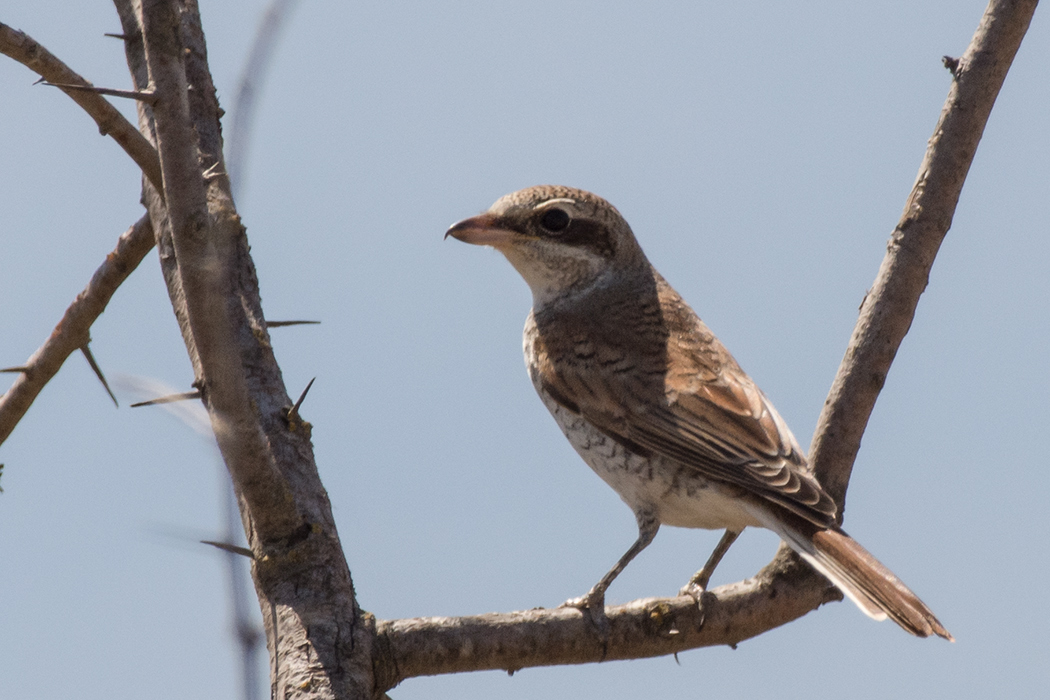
483, 229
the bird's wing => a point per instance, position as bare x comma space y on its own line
730, 431
688, 401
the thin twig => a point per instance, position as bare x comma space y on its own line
71, 333
24, 49
889, 307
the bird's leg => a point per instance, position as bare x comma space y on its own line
698, 583
594, 602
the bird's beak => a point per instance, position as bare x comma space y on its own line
484, 229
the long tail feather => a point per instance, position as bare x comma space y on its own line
860, 576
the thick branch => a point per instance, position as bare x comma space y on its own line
889, 307
202, 240
28, 52
73, 331
320, 642
785, 590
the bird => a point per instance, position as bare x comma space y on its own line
658, 408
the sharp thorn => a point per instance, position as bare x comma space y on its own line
280, 324
171, 398
98, 372
295, 408
232, 549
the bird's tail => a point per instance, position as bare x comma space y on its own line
860, 576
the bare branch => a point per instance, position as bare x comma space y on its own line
889, 307
320, 641
785, 590
35, 57
202, 240
72, 332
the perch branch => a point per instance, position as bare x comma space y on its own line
783, 591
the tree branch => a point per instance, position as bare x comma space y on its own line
24, 49
73, 331
201, 236
785, 589
320, 641
889, 307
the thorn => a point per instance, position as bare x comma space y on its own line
15, 370
281, 324
231, 548
293, 412
98, 372
171, 398
211, 173
303, 395
122, 37
952, 64
1, 475
147, 96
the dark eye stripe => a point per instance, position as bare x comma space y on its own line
589, 234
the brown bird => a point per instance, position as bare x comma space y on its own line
656, 405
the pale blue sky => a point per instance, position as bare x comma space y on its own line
762, 153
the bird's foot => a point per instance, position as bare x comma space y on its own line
592, 606
697, 585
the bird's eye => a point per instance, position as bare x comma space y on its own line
555, 220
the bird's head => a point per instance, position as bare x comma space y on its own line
560, 239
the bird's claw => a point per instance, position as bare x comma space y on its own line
593, 606
697, 585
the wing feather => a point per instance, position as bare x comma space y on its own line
662, 382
